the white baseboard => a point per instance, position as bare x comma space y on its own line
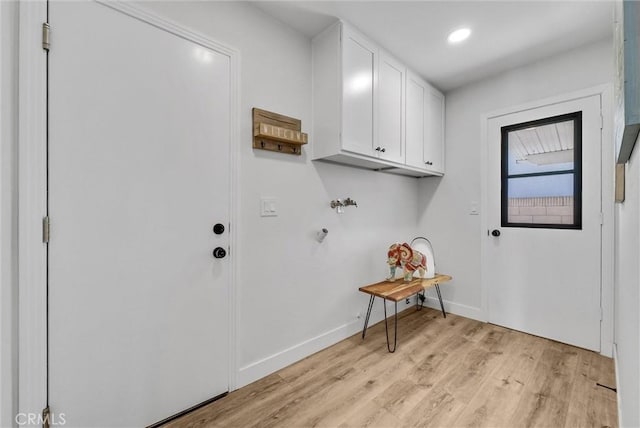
606, 349
264, 367
261, 368
456, 308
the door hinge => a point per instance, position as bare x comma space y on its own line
45, 417
46, 36
46, 225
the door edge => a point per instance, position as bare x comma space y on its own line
32, 170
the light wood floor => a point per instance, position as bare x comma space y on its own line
452, 372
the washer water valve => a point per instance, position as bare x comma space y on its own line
339, 204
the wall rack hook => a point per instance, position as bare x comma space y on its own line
277, 133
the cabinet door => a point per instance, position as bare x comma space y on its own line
391, 80
434, 142
416, 123
358, 82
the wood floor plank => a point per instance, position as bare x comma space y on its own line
585, 410
464, 382
452, 372
341, 403
439, 409
497, 399
370, 415
401, 397
545, 401
234, 403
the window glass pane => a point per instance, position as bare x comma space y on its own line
541, 200
541, 186
542, 173
541, 148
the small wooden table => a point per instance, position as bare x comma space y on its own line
396, 291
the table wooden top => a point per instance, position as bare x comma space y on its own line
398, 289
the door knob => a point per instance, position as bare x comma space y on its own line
218, 229
495, 232
219, 253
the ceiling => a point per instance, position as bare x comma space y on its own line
505, 34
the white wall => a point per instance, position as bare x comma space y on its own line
295, 296
444, 203
8, 210
627, 295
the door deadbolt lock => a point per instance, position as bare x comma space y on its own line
495, 232
218, 229
219, 252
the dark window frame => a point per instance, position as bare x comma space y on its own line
576, 118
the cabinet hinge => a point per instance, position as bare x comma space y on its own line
46, 225
45, 417
46, 36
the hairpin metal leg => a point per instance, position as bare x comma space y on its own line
395, 326
440, 298
366, 319
420, 301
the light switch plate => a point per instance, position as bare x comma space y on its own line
268, 207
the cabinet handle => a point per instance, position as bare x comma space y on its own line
378, 149
429, 163
383, 150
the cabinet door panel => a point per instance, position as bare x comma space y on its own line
391, 109
416, 122
358, 68
434, 146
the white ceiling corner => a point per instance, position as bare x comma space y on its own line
505, 34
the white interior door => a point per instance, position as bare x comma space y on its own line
138, 177
543, 270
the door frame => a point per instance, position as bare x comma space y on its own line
607, 231
32, 193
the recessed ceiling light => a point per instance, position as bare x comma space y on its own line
459, 35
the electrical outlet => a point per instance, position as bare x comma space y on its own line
407, 301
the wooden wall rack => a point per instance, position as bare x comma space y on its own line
277, 133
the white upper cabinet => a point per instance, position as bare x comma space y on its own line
391, 81
424, 126
358, 92
364, 111
416, 120
434, 142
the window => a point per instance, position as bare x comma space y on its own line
542, 173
